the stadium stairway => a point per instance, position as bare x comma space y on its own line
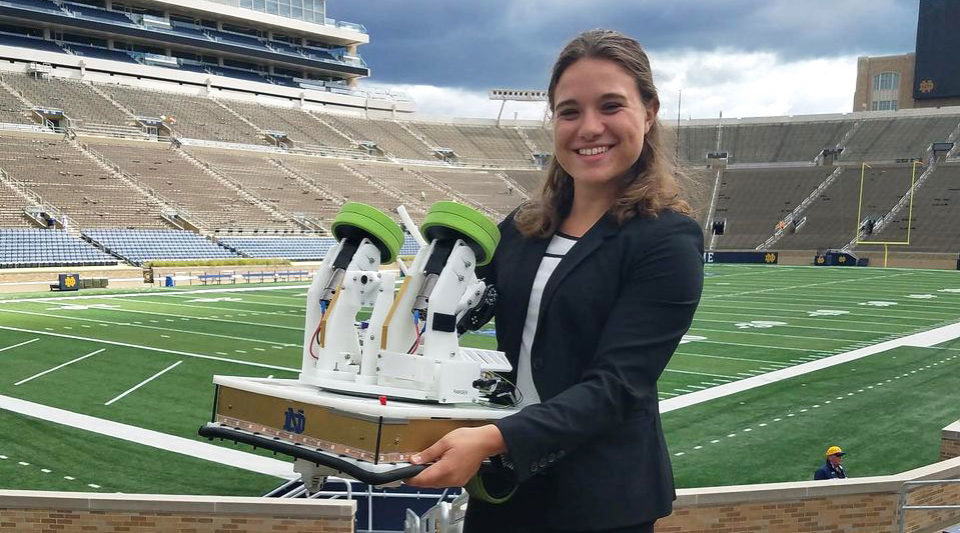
353, 142
16, 94
277, 214
453, 193
526, 140
402, 197
113, 169
243, 119
318, 188
797, 213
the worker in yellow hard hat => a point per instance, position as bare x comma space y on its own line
833, 467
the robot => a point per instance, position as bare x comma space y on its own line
373, 392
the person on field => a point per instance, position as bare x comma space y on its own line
833, 467
599, 277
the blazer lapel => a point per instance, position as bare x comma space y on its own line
521, 272
591, 240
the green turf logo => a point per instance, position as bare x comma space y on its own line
294, 422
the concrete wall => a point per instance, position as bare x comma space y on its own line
859, 505
142, 513
39, 279
856, 505
950, 441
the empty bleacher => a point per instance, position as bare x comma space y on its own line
936, 214
263, 179
32, 248
529, 180
754, 200
192, 116
761, 142
11, 109
888, 139
299, 248
97, 13
450, 137
503, 144
223, 189
388, 135
99, 53
137, 246
11, 208
300, 127
77, 100
295, 248
831, 220
65, 178
35, 43
482, 187
331, 174
420, 195
542, 138
203, 199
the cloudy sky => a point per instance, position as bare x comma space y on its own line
741, 57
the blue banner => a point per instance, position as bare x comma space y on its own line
764, 258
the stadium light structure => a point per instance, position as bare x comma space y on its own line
516, 95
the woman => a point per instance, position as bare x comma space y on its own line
599, 279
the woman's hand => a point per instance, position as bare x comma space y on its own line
457, 456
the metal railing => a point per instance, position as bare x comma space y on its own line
902, 511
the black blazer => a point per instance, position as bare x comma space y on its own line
611, 316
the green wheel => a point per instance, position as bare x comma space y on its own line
356, 221
491, 487
450, 219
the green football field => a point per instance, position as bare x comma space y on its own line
146, 358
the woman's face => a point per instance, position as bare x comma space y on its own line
599, 122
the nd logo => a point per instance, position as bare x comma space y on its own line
294, 422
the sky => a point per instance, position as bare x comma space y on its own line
743, 58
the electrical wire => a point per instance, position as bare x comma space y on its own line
316, 333
419, 330
516, 393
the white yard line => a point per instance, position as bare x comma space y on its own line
144, 382
831, 328
58, 367
761, 346
806, 286
750, 331
734, 358
188, 447
18, 345
924, 340
190, 317
151, 348
251, 302
764, 311
699, 374
158, 293
220, 309
778, 305
129, 324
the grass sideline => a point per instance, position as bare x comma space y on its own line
752, 320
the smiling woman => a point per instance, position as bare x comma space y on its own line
598, 279
608, 138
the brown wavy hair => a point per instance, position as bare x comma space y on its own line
652, 184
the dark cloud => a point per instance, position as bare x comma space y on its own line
491, 43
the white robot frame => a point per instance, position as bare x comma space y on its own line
407, 353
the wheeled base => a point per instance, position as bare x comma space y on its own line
368, 439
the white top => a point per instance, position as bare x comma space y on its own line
558, 247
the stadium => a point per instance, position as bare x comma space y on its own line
171, 174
